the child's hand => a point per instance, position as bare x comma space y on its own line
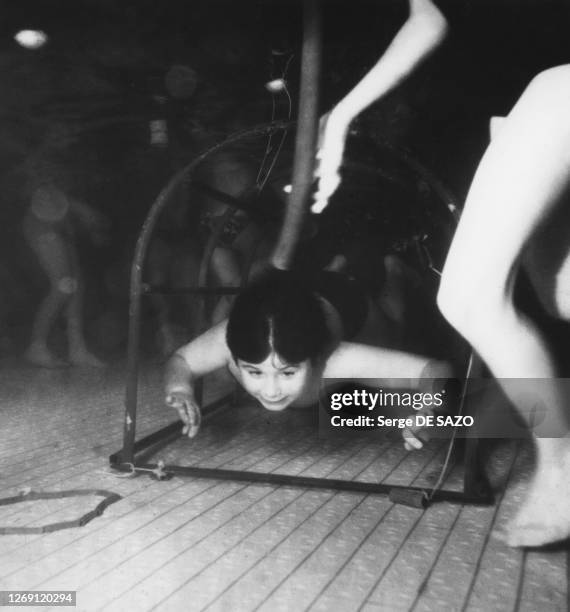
417, 435
412, 439
188, 409
333, 130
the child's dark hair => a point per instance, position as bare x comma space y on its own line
278, 313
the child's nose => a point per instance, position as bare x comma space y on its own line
271, 388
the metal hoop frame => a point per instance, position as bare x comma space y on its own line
475, 490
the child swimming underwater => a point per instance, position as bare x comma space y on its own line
285, 336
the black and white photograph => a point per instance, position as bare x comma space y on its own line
285, 305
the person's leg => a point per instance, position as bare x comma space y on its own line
227, 273
79, 354
48, 243
231, 176
547, 262
400, 299
519, 180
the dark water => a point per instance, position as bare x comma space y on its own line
82, 105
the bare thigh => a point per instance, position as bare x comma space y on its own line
52, 248
520, 179
547, 262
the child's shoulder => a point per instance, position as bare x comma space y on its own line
338, 360
353, 360
208, 351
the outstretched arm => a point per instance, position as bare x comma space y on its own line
421, 34
203, 355
387, 367
391, 369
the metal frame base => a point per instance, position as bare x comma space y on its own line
476, 488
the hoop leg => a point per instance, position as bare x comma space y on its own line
475, 482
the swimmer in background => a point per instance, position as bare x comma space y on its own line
285, 336
49, 228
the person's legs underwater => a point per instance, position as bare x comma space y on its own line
79, 354
53, 245
49, 245
231, 174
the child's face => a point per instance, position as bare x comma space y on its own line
274, 383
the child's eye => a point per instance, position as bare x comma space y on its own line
289, 373
254, 373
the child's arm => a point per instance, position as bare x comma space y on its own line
203, 355
421, 34
391, 369
386, 367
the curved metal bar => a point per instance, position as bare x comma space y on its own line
237, 202
133, 343
137, 288
475, 487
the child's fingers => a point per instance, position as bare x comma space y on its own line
188, 412
173, 402
323, 194
183, 417
319, 205
327, 185
411, 442
178, 404
194, 420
